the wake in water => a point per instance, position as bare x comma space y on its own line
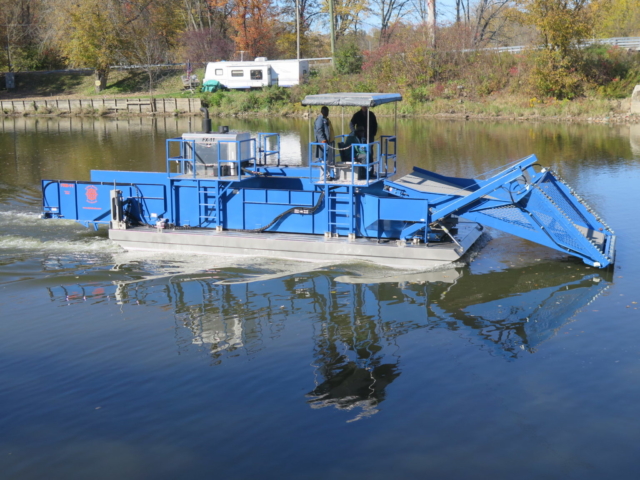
27, 232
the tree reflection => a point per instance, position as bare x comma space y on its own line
356, 322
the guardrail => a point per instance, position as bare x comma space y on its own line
630, 43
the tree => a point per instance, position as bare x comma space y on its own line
150, 36
287, 35
389, 12
101, 33
346, 15
23, 47
91, 37
254, 24
619, 18
206, 45
348, 59
488, 20
561, 24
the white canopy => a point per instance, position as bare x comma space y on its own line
351, 99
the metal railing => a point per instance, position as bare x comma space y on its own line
223, 166
263, 147
329, 169
630, 43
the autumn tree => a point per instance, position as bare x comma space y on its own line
618, 18
561, 25
346, 15
151, 36
101, 33
253, 22
90, 34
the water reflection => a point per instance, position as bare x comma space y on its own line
356, 326
634, 138
69, 147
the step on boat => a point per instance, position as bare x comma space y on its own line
227, 193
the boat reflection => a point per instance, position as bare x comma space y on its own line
355, 322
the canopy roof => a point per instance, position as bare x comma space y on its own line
351, 99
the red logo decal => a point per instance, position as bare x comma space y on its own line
92, 194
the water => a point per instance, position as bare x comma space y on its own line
524, 363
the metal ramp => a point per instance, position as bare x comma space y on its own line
535, 205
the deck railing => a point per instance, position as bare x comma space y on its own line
222, 166
353, 164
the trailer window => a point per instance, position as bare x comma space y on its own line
237, 73
256, 74
218, 71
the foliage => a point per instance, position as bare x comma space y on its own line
618, 18
346, 14
556, 76
91, 37
254, 24
101, 34
390, 12
206, 45
560, 23
30, 57
348, 58
611, 72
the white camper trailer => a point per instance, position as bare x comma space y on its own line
259, 73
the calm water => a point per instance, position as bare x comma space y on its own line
522, 364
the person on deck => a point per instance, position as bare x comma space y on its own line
363, 118
357, 137
358, 153
324, 134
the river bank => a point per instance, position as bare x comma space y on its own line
250, 104
72, 94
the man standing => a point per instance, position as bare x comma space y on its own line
366, 119
324, 134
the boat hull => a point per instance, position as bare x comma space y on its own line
299, 247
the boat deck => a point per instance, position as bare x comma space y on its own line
299, 246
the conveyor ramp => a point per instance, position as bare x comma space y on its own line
537, 206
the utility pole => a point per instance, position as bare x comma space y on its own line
298, 29
431, 13
333, 32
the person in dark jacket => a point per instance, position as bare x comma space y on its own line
359, 119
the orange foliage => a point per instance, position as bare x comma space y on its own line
254, 23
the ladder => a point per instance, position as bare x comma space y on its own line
209, 211
340, 209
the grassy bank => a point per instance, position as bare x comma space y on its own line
448, 100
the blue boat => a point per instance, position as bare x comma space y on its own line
228, 193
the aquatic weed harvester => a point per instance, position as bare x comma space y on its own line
227, 193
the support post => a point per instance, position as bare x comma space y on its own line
333, 33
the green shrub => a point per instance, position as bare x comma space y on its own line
556, 76
348, 58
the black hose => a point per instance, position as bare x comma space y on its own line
300, 210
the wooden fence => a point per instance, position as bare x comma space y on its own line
102, 105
